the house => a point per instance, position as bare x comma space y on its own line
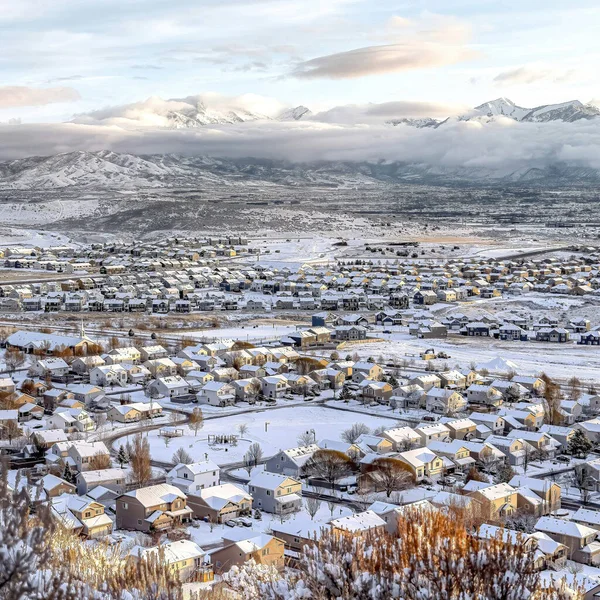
83, 364
553, 334
497, 501
484, 394
453, 379
274, 493
117, 356
461, 429
548, 491
217, 393
359, 523
50, 367
84, 453
48, 437
152, 353
368, 444
111, 479
54, 486
184, 557
108, 375
422, 463
588, 517
579, 539
590, 428
376, 391
494, 422
402, 438
220, 503
366, 370
426, 381
152, 508
242, 545
513, 448
274, 386
458, 454
561, 434
433, 432
172, 386
191, 478
533, 384
133, 412
291, 462
82, 515
445, 401
541, 442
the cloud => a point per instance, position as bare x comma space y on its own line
154, 111
376, 113
500, 147
534, 74
433, 42
13, 96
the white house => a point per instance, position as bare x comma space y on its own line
194, 477
108, 375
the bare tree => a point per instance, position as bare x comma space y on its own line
242, 429
196, 420
389, 475
312, 506
99, 461
551, 398
139, 456
330, 465
306, 438
254, 455
353, 433
584, 484
182, 457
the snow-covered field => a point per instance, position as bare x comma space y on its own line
273, 429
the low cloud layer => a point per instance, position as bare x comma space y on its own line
502, 146
14, 96
535, 74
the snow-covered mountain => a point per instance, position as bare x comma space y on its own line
295, 114
565, 111
107, 170
419, 123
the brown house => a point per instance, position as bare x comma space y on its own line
220, 502
152, 508
242, 546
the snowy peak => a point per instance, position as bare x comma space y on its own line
295, 114
418, 123
502, 107
573, 110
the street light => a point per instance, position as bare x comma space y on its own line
267, 423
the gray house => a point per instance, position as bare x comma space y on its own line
274, 493
291, 462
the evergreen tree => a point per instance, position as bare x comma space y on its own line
68, 475
122, 457
579, 445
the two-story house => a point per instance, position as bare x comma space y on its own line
275, 493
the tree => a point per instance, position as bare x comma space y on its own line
354, 432
330, 465
196, 420
505, 473
511, 394
346, 393
312, 506
242, 429
306, 438
432, 555
99, 461
182, 457
13, 359
551, 398
575, 384
68, 475
122, 457
579, 445
139, 457
389, 475
584, 484
254, 455
474, 475
530, 454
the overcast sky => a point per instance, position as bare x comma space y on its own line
64, 57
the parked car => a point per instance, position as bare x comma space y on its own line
231, 523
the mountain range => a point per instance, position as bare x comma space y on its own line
105, 170
568, 112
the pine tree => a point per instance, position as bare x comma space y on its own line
122, 457
579, 445
68, 475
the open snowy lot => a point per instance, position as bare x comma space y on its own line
273, 429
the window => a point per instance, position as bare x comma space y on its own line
185, 475
268, 492
139, 521
125, 505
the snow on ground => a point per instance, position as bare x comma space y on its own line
272, 429
557, 360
